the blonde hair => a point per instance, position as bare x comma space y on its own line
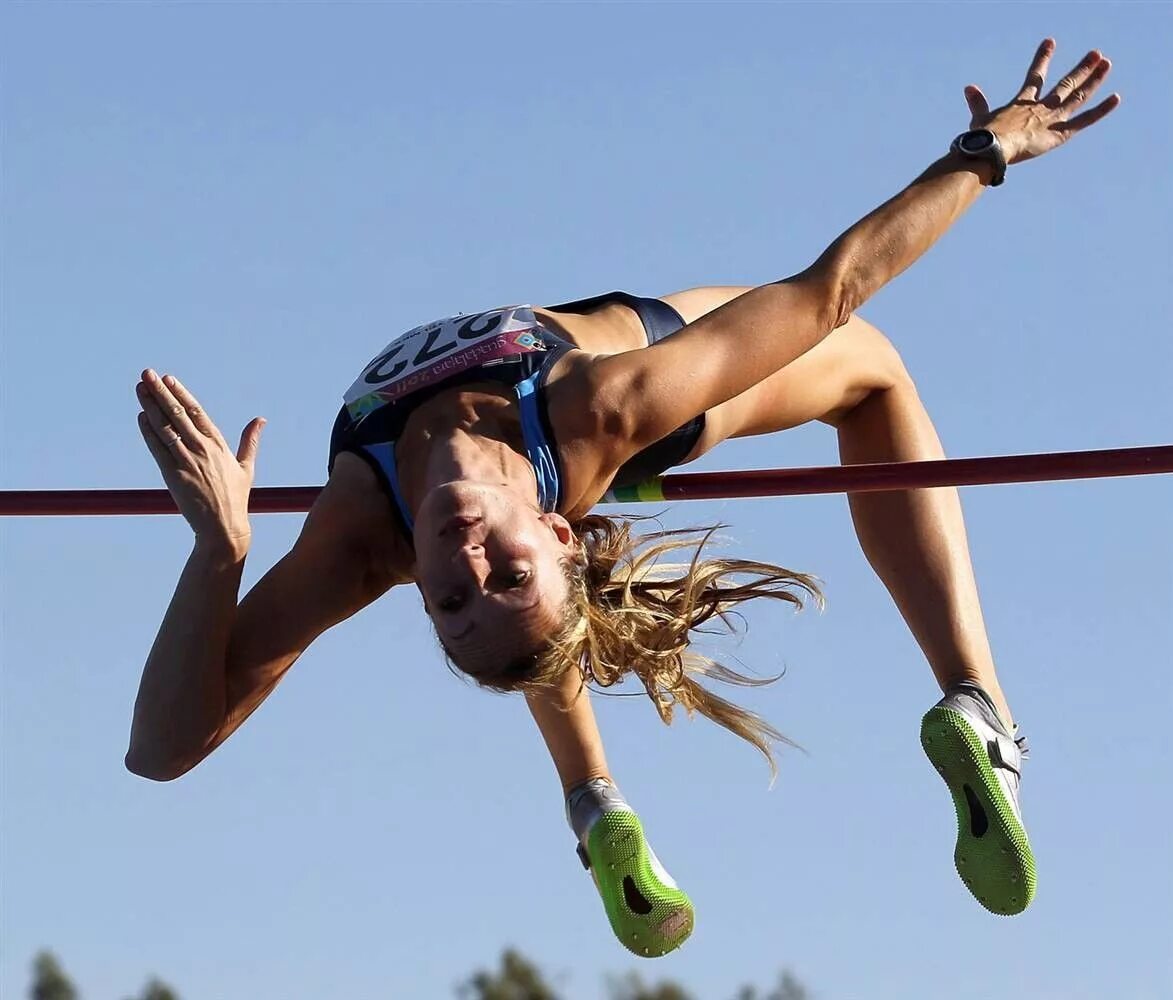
629, 613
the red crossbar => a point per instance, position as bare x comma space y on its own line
685, 486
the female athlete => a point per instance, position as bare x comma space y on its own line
469, 454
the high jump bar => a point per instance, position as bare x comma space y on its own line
868, 478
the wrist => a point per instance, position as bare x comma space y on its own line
982, 146
983, 170
223, 548
1009, 146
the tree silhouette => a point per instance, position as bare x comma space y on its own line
158, 990
519, 979
788, 988
49, 981
632, 987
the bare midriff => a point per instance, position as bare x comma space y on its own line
611, 329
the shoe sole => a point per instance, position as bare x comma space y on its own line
619, 854
993, 858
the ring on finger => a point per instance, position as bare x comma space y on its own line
172, 441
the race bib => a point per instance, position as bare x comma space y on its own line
439, 350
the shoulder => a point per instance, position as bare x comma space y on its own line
590, 432
353, 517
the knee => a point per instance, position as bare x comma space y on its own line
879, 365
870, 366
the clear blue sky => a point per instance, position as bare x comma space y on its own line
258, 197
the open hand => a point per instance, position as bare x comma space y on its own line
1031, 125
209, 483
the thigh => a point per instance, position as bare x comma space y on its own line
824, 384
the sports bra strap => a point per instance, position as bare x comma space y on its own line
537, 445
384, 454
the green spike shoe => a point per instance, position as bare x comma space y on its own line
649, 914
981, 763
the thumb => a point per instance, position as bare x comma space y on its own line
978, 106
250, 441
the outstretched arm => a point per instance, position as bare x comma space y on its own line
644, 395
213, 662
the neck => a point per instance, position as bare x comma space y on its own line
474, 438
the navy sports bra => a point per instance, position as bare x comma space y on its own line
508, 346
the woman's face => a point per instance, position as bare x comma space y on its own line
489, 566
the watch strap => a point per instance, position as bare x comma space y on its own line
992, 154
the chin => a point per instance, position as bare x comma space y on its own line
452, 499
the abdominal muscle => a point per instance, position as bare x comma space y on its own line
588, 465
588, 461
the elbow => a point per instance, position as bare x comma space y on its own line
153, 770
840, 309
838, 300
837, 291
155, 767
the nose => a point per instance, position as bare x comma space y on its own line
469, 553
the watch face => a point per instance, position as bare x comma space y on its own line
977, 142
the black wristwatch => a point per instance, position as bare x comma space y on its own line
982, 144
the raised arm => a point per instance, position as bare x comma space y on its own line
644, 395
213, 662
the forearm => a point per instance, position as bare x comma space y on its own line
887, 241
796, 313
731, 349
182, 697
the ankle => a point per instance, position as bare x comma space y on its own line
587, 801
993, 694
583, 777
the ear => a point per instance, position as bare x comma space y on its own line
562, 531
